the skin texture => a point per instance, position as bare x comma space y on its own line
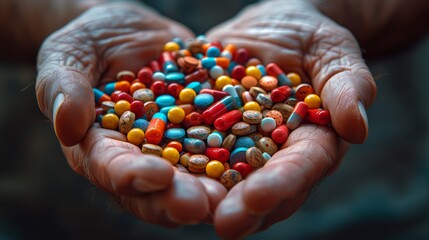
90, 50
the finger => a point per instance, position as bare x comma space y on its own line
310, 152
184, 202
116, 166
342, 79
216, 192
232, 220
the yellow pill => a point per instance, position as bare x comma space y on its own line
254, 72
121, 106
252, 105
171, 47
313, 101
294, 78
222, 81
215, 169
176, 115
171, 154
110, 121
135, 136
187, 95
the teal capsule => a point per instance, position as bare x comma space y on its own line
261, 68
233, 93
165, 100
203, 101
238, 155
175, 77
194, 145
175, 134
196, 86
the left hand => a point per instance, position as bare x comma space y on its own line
299, 39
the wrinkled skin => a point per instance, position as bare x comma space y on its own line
107, 39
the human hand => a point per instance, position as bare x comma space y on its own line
299, 39
88, 52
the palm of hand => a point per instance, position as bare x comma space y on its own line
93, 48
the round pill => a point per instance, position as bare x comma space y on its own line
243, 168
216, 71
197, 163
126, 122
135, 136
153, 149
122, 106
229, 142
268, 124
171, 46
203, 101
144, 95
254, 157
158, 76
294, 78
125, 75
184, 159
276, 115
243, 128
110, 121
268, 83
187, 95
214, 139
313, 101
165, 100
245, 142
252, 105
249, 81
230, 178
252, 116
254, 72
198, 132
238, 155
221, 81
266, 144
175, 144
176, 115
171, 154
215, 169
302, 90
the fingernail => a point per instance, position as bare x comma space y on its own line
59, 100
364, 117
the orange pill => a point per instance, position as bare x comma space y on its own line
268, 83
248, 82
276, 115
175, 144
135, 86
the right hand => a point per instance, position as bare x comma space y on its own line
88, 52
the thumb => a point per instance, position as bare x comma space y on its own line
65, 96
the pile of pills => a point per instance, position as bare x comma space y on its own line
212, 109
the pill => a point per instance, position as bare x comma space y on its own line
294, 78
144, 75
217, 95
150, 108
252, 116
215, 139
280, 134
187, 95
243, 128
233, 93
254, 157
198, 132
245, 142
124, 96
199, 75
291, 101
100, 96
175, 144
268, 124
226, 120
220, 154
313, 101
123, 86
229, 142
280, 94
110, 121
203, 101
135, 86
156, 128
107, 105
238, 155
230, 178
197, 163
171, 154
126, 122
141, 123
184, 159
215, 169
268, 83
241, 56
155, 66
168, 65
158, 88
171, 46
252, 105
135, 136
255, 136
318, 116
266, 156
222, 81
158, 76
229, 51
153, 149
174, 89
213, 51
194, 145
302, 90
196, 86
297, 115
276, 115
192, 119
209, 62
144, 95
264, 100
266, 144
255, 91
254, 72
125, 75
285, 109
217, 109
175, 134
274, 70
243, 168
176, 115
239, 72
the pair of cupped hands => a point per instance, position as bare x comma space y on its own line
106, 39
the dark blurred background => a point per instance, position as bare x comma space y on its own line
381, 191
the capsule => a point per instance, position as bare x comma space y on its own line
220, 154
280, 94
297, 115
226, 120
168, 65
318, 116
123, 86
199, 75
192, 119
275, 71
217, 109
156, 128
100, 96
229, 51
217, 95
233, 93
242, 55
194, 145
209, 62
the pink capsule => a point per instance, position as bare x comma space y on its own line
274, 70
297, 115
247, 97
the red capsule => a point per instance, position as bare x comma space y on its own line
199, 75
241, 56
114, 95
125, 96
145, 76
238, 72
297, 115
228, 119
192, 119
217, 95
155, 66
280, 134
137, 107
318, 116
220, 154
158, 87
243, 168
280, 94
174, 89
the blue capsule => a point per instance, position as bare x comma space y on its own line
194, 145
